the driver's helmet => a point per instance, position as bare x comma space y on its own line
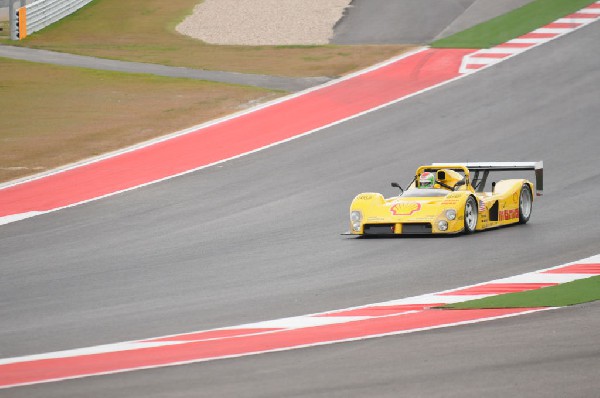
426, 180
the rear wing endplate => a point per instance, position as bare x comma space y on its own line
538, 167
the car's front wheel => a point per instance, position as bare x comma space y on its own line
525, 204
470, 215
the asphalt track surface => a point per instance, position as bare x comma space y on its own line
417, 22
257, 239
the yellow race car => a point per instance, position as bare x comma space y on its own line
449, 199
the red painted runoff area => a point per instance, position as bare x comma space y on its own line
212, 335
59, 368
383, 310
245, 133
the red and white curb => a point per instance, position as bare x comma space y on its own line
388, 318
562, 26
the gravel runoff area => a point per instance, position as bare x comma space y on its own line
264, 22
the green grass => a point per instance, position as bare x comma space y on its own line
513, 24
576, 292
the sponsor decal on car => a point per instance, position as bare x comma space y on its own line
506, 215
405, 209
450, 202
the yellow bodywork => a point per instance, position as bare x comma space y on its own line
410, 213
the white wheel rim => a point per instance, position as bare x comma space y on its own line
525, 203
470, 215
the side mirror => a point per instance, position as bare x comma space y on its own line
396, 185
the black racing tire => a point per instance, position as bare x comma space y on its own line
525, 204
471, 214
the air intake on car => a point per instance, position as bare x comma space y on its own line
417, 228
379, 229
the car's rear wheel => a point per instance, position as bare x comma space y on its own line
525, 204
470, 215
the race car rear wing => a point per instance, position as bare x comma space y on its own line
486, 167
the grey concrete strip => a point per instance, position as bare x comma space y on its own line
418, 22
56, 58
